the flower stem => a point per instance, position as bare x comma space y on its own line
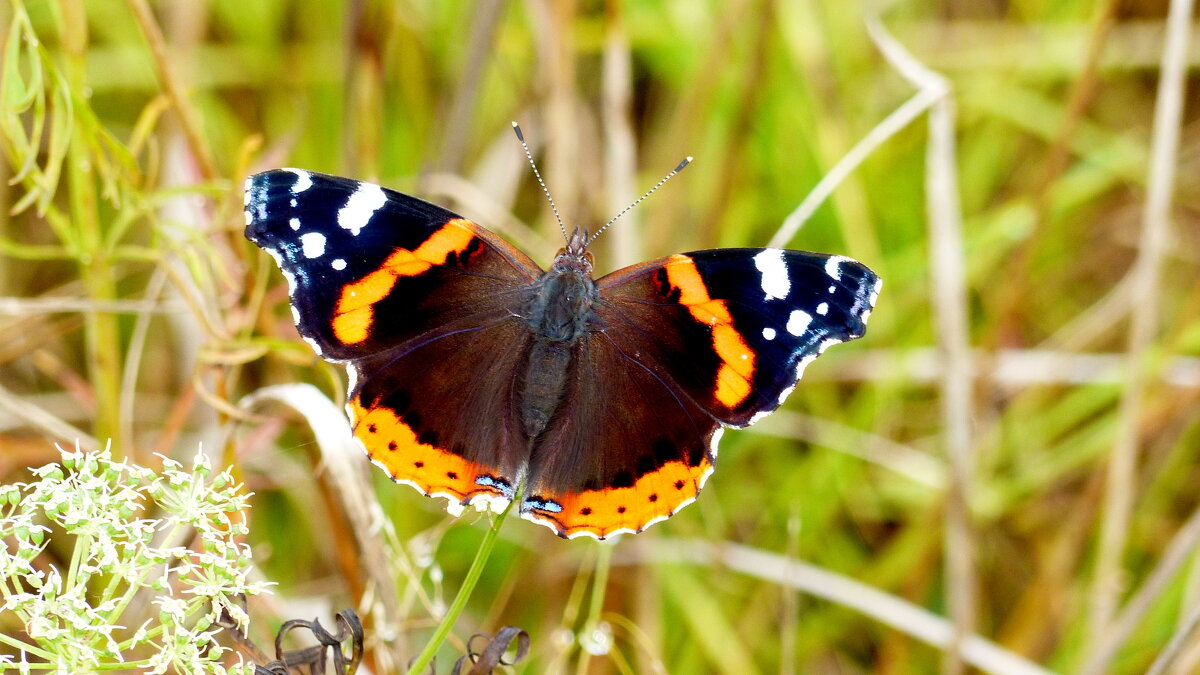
421, 663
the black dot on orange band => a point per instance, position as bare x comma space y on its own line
371, 428
392, 446
451, 475
620, 509
654, 497
418, 464
678, 485
585, 511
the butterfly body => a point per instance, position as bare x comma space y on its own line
559, 315
474, 372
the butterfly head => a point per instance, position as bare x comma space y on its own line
575, 255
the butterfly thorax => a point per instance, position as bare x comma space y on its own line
558, 316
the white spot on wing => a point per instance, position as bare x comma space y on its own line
833, 266
249, 217
769, 333
295, 223
303, 180
798, 322
358, 210
823, 308
314, 244
773, 270
338, 264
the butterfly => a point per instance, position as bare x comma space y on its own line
477, 377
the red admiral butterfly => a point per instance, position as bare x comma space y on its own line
474, 372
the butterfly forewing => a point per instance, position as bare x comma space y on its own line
370, 269
733, 329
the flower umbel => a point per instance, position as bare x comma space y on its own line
123, 529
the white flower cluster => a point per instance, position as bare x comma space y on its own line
154, 562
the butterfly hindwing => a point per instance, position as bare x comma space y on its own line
624, 450
431, 417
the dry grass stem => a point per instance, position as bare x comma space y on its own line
1176, 555
620, 144
27, 306
342, 459
1011, 369
1184, 638
949, 299
894, 612
1143, 324
904, 460
175, 89
44, 421
900, 118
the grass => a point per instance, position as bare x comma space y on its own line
1007, 461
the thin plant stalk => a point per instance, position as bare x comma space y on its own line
421, 663
599, 588
103, 337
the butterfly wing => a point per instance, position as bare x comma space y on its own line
353, 252
401, 291
688, 343
762, 316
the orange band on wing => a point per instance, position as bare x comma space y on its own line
601, 513
355, 308
396, 448
737, 359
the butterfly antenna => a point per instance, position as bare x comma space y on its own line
685, 162
521, 137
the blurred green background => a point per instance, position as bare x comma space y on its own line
132, 308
